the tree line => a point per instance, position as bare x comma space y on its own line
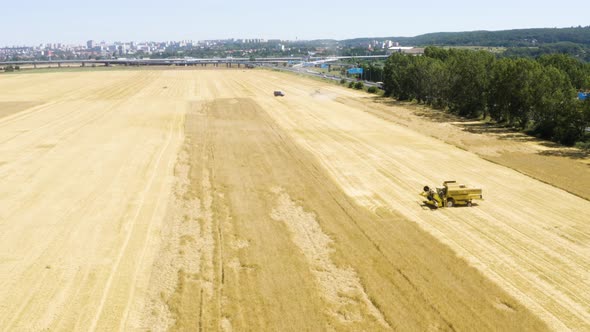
535, 95
578, 51
508, 38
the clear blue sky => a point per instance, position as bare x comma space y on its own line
34, 22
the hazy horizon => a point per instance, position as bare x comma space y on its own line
70, 22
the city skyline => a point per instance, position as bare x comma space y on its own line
69, 22
187, 48
99, 42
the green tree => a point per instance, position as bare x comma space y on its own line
554, 112
395, 76
512, 82
574, 69
438, 84
468, 81
436, 53
372, 72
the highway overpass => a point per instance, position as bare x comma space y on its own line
188, 61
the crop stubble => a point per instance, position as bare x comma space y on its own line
283, 242
297, 213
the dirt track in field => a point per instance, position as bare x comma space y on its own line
191, 200
8, 108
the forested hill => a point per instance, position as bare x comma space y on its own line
507, 38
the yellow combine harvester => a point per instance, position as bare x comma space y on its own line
450, 195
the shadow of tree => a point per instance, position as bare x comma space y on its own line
560, 151
475, 126
499, 131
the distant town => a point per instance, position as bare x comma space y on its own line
189, 48
530, 43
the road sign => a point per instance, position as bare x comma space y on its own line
355, 71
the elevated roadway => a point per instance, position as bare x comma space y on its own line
188, 61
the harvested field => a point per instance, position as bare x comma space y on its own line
195, 200
10, 107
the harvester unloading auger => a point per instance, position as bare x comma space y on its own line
451, 194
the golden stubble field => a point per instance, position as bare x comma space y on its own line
195, 200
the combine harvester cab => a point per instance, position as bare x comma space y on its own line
451, 194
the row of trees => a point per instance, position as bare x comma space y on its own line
372, 71
537, 95
578, 51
